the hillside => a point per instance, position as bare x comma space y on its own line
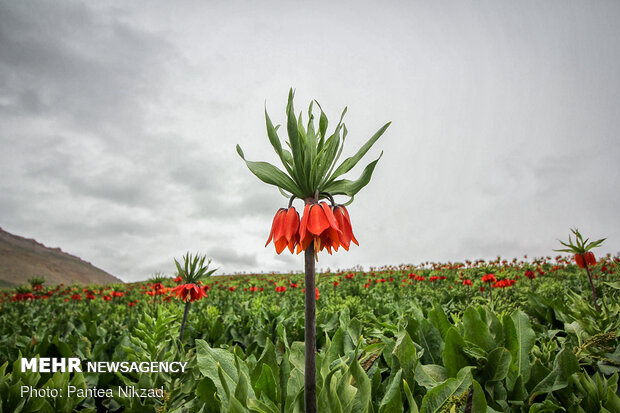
22, 258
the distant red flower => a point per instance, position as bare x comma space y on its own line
530, 274
467, 282
178, 280
106, 298
280, 289
193, 291
488, 278
336, 283
76, 297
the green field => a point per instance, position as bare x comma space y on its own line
390, 339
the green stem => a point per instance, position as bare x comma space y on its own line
598, 310
184, 320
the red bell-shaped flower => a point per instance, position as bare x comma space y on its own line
284, 229
344, 223
319, 225
590, 258
193, 291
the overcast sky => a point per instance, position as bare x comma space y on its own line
118, 126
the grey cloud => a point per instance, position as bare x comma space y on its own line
62, 59
231, 257
119, 124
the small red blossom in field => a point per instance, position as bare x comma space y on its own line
488, 278
336, 283
280, 289
191, 291
481, 289
530, 274
131, 303
76, 297
233, 288
467, 281
106, 298
253, 289
433, 278
117, 294
178, 279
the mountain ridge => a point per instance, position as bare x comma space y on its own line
22, 258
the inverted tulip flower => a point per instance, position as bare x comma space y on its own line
189, 289
284, 229
584, 258
312, 173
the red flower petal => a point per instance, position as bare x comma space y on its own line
317, 222
291, 224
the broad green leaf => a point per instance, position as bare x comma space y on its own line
266, 384
453, 355
430, 375
498, 363
392, 400
206, 392
260, 406
406, 354
564, 365
431, 341
520, 339
479, 401
436, 398
362, 383
269, 174
438, 317
476, 330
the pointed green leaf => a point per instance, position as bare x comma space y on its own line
271, 175
350, 162
350, 188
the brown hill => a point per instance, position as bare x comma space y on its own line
22, 258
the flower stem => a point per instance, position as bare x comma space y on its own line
310, 331
184, 319
598, 310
